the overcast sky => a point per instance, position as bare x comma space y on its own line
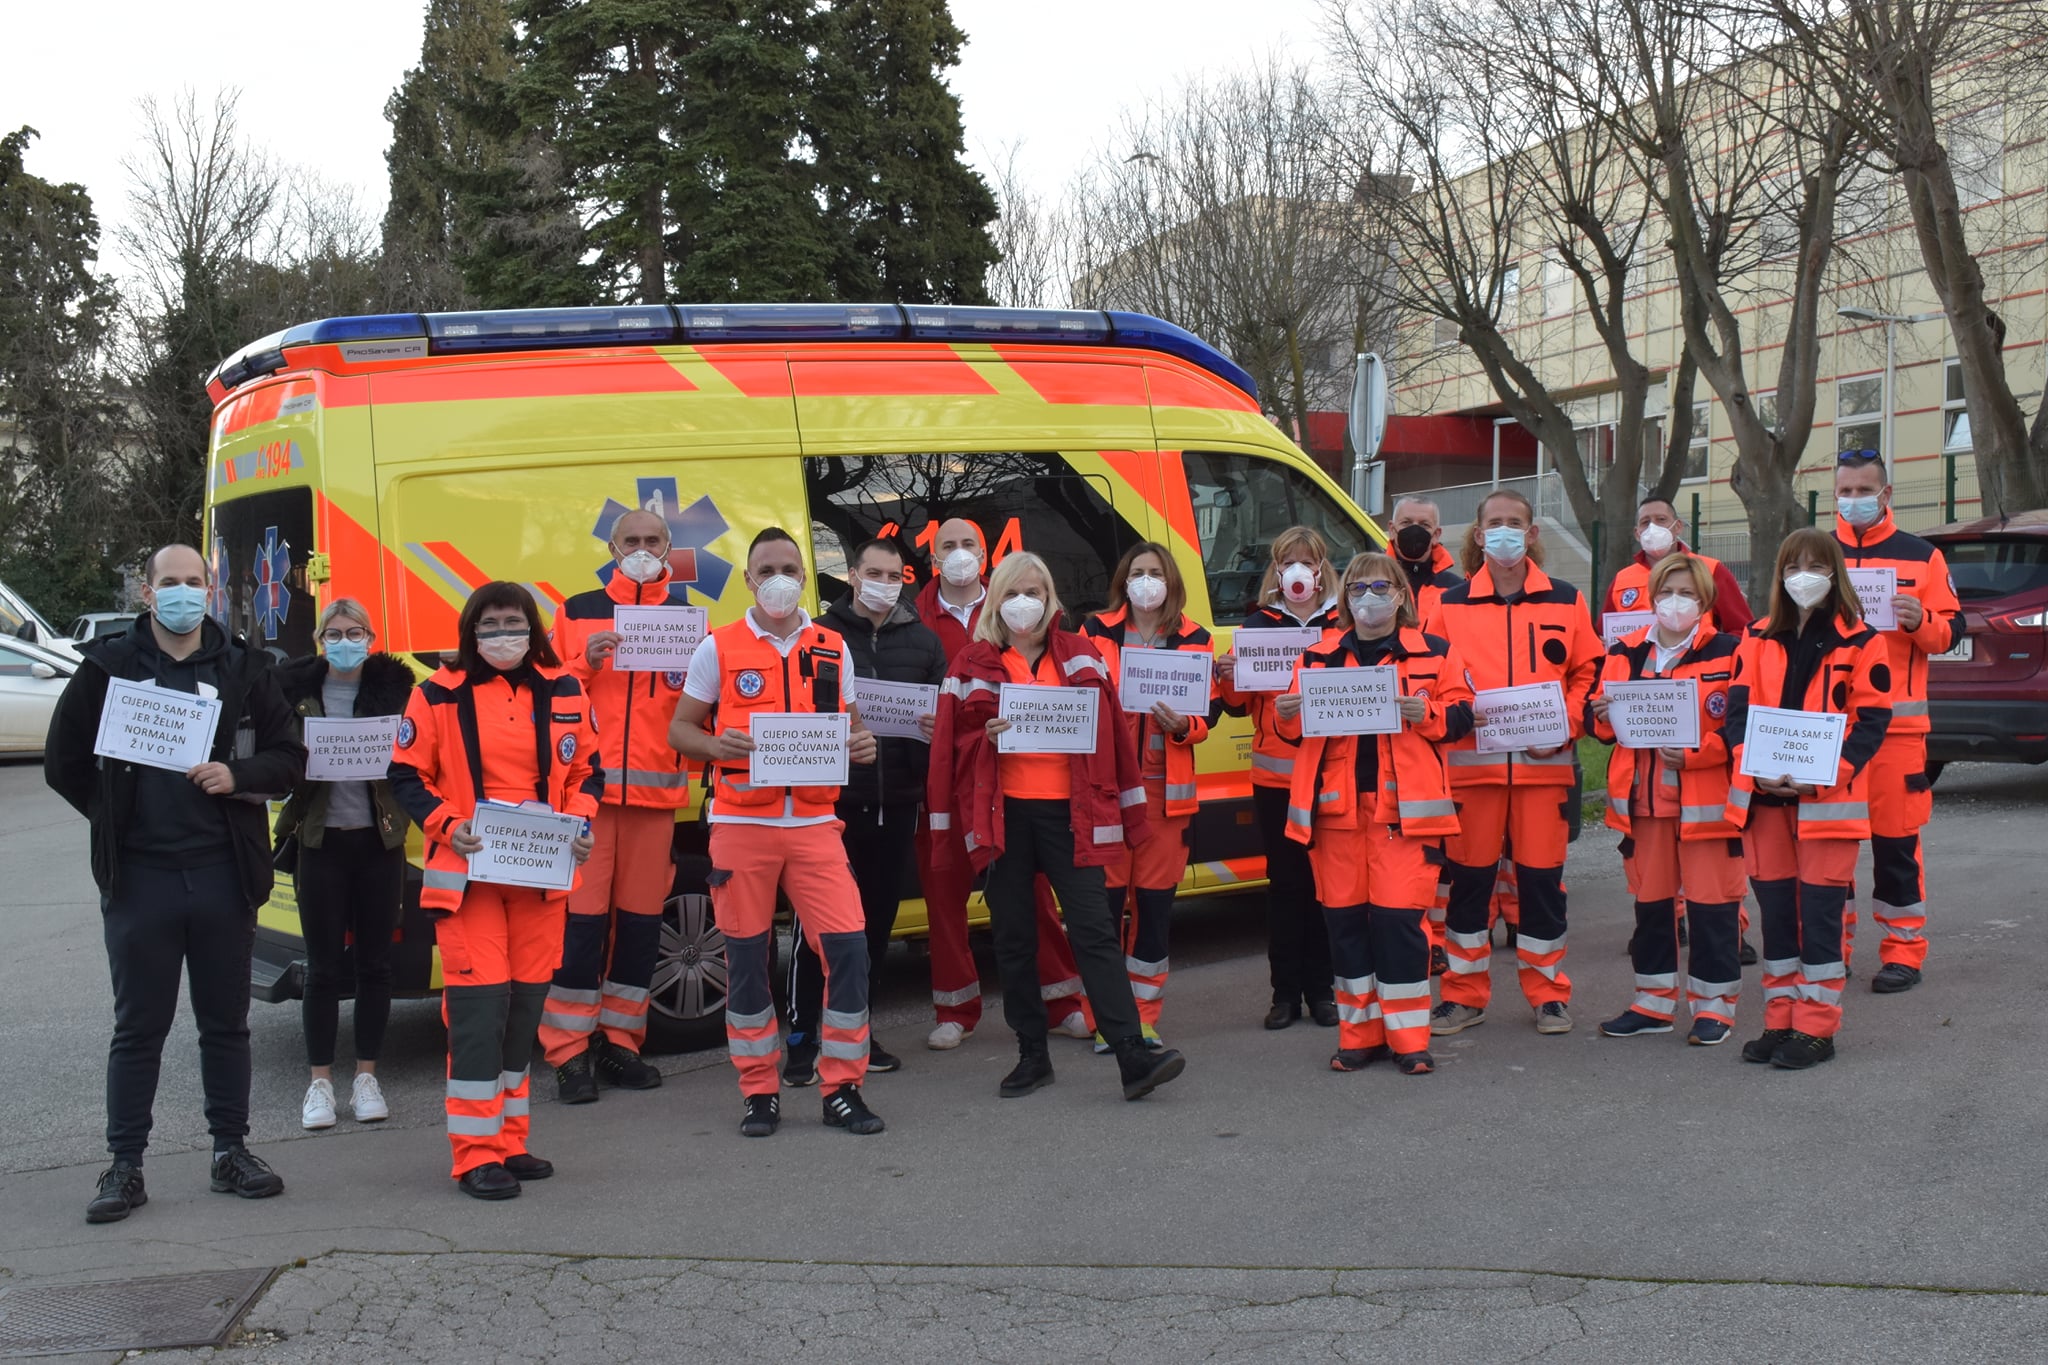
1051, 75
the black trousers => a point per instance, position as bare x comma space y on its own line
1038, 837
1297, 940
349, 892
160, 922
878, 849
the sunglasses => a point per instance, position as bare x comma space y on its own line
1856, 459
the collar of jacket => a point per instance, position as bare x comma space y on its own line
627, 593
1184, 630
1482, 583
382, 690
1876, 533
1678, 547
845, 616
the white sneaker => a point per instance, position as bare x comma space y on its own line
948, 1036
367, 1099
1073, 1026
318, 1110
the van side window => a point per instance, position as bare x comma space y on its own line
1021, 500
1241, 503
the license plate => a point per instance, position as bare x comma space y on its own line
1961, 652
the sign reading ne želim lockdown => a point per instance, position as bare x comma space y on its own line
524, 846
1876, 588
799, 748
1266, 656
1805, 746
155, 726
1616, 624
1046, 720
1662, 713
892, 708
657, 639
1146, 677
352, 749
1530, 716
1350, 701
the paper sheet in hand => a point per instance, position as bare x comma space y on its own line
1877, 588
357, 749
892, 708
1805, 746
799, 748
524, 846
657, 639
1046, 720
1350, 701
1659, 713
1530, 716
1266, 657
1149, 676
1616, 624
155, 726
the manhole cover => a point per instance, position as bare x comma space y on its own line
127, 1315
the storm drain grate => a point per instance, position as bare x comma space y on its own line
127, 1315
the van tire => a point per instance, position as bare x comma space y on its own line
686, 1003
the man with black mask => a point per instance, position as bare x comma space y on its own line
1418, 544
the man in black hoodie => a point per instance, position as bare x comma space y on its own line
183, 862
878, 805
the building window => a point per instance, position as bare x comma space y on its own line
1696, 449
1955, 414
1976, 154
1557, 287
1859, 423
1444, 332
1508, 296
1765, 406
1862, 203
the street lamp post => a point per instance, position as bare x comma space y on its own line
1891, 353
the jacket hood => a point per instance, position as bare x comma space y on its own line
386, 682
111, 651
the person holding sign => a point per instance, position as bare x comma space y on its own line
1928, 620
596, 1017
1060, 810
1373, 809
1812, 653
1514, 626
1147, 611
1660, 534
345, 842
1668, 800
181, 853
1299, 591
504, 723
768, 838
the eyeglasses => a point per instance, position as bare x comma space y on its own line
1378, 585
1856, 459
334, 637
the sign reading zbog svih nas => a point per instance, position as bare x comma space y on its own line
155, 726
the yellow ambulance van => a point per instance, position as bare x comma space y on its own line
404, 459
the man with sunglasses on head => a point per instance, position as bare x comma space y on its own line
1929, 620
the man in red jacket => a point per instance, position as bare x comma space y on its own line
1657, 535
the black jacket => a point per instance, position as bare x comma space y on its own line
384, 689
906, 650
257, 740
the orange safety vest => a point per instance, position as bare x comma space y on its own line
1112, 634
1272, 752
631, 710
1921, 572
1852, 680
1701, 786
755, 676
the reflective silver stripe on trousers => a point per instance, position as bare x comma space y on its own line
1109, 834
1137, 968
517, 1107
632, 1023
1180, 791
472, 1090
1834, 810
851, 1021
1359, 1014
1780, 966
435, 879
569, 1023
748, 1021
1417, 810
564, 995
845, 1052
1058, 990
475, 1125
646, 777
632, 995
959, 997
1823, 971
1908, 708
754, 1047
1719, 989
511, 1080
1536, 947
1354, 985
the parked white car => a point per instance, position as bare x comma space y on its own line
31, 680
20, 621
98, 625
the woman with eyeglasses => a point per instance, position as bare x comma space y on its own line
344, 845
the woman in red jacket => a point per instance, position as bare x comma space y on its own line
504, 724
1066, 815
1147, 602
1812, 652
1668, 804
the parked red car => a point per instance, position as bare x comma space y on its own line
1989, 694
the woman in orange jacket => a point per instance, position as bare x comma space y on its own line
1373, 811
1669, 804
1299, 590
1147, 610
505, 724
1812, 652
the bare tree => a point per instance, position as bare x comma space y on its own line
1029, 234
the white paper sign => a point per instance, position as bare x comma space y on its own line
1046, 720
1876, 588
799, 748
1531, 716
1350, 701
1178, 678
1805, 746
1266, 657
1661, 713
1616, 624
156, 727
657, 639
524, 846
349, 749
892, 708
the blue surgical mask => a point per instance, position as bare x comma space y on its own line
347, 655
180, 608
1861, 512
1505, 545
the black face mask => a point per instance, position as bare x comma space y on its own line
1412, 542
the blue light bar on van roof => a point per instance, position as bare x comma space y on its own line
531, 329
1151, 334
791, 322
937, 322
373, 327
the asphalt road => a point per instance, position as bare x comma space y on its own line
1593, 1198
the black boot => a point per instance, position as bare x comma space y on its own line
1033, 1069
1144, 1070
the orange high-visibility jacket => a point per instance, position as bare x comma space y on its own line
1272, 752
1414, 778
1921, 573
1428, 582
1854, 680
754, 676
630, 710
1544, 635
1700, 788
438, 761
1112, 633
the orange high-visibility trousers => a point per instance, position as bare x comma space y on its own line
956, 981
613, 934
1529, 825
1376, 887
1801, 885
1145, 881
1701, 880
1901, 804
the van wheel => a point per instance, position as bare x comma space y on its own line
689, 971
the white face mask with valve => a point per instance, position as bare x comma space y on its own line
1298, 582
642, 566
1022, 614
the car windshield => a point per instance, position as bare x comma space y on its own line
1985, 569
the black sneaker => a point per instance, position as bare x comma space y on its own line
844, 1108
489, 1181
1802, 1050
1761, 1047
1629, 1023
1708, 1033
575, 1082
880, 1058
762, 1117
120, 1193
526, 1166
621, 1067
1747, 954
1415, 1063
1324, 1012
1143, 1070
1357, 1058
1894, 977
240, 1171
800, 1064
1033, 1069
